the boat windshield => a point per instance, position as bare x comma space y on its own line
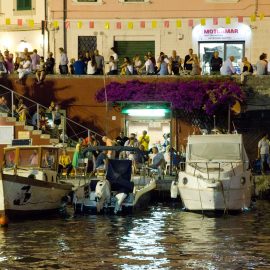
215, 151
28, 157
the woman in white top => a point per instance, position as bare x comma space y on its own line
92, 66
137, 64
25, 68
127, 67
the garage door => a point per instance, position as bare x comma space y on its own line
131, 48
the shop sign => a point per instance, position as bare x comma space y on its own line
240, 32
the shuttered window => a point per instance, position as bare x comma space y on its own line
24, 4
131, 48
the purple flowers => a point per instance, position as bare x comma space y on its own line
188, 95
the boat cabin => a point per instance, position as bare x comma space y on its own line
39, 162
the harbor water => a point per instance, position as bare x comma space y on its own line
163, 237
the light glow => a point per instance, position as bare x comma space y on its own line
146, 112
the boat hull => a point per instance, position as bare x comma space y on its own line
198, 194
85, 200
22, 197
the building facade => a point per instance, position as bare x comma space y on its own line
21, 25
238, 27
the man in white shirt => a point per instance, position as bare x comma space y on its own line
227, 67
263, 151
148, 66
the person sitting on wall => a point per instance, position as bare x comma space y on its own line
64, 163
3, 69
112, 66
41, 74
24, 69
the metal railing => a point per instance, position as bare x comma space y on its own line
11, 97
208, 169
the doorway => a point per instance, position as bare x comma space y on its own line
156, 129
132, 48
225, 49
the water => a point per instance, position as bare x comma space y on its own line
161, 238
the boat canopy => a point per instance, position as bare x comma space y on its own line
223, 147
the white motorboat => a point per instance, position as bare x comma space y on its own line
28, 182
216, 174
116, 191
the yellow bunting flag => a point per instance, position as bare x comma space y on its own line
8, 21
178, 23
203, 21
130, 25
154, 24
55, 24
31, 23
228, 20
79, 24
261, 16
253, 18
107, 25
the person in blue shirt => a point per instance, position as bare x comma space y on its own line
79, 67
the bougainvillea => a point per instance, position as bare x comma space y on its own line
207, 95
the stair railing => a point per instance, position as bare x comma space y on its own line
38, 106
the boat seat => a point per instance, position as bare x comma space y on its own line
82, 167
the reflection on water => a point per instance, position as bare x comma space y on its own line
161, 238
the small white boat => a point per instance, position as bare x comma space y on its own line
115, 192
216, 174
28, 182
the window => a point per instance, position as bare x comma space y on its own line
24, 4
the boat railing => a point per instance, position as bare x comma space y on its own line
209, 169
76, 130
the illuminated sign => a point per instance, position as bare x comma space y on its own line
226, 33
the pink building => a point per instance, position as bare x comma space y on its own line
233, 27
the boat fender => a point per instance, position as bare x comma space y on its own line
3, 221
185, 180
174, 189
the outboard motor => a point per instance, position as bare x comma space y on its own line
120, 197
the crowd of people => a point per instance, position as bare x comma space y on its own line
152, 158
92, 63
